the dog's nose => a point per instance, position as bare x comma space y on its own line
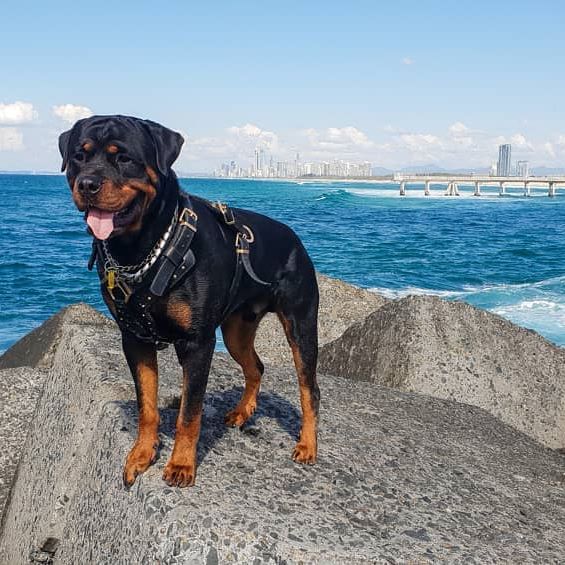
89, 185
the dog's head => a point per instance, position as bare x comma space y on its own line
115, 167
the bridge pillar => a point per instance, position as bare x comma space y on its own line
427, 188
477, 189
502, 189
527, 189
456, 189
402, 188
551, 191
448, 189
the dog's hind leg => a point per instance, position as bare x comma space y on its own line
239, 336
299, 318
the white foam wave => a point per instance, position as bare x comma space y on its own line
545, 307
545, 316
469, 289
529, 305
394, 293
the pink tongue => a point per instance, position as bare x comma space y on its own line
100, 222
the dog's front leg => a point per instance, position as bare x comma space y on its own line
142, 361
195, 358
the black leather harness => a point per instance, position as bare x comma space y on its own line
168, 264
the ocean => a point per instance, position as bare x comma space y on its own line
504, 254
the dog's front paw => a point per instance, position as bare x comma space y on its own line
305, 453
179, 475
238, 416
142, 455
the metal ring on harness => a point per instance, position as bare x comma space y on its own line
251, 237
248, 237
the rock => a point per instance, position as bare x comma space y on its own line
341, 305
23, 368
455, 351
400, 477
36, 349
19, 391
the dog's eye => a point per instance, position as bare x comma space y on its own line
123, 158
79, 156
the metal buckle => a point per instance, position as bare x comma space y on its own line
186, 216
229, 218
240, 247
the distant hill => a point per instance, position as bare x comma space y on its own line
423, 169
381, 171
427, 169
547, 171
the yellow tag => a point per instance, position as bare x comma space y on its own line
111, 279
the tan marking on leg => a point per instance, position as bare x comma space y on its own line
144, 450
180, 470
239, 337
306, 450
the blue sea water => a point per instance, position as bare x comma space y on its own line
504, 254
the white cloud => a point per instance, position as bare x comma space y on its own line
252, 134
458, 128
549, 149
238, 142
407, 61
420, 141
336, 142
460, 135
17, 113
71, 113
519, 141
11, 139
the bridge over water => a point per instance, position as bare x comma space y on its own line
452, 183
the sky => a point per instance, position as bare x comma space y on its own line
398, 83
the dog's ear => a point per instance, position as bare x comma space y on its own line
64, 144
167, 143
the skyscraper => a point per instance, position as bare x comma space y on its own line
504, 156
522, 169
257, 163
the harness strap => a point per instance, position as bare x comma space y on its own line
133, 304
178, 259
243, 237
242, 250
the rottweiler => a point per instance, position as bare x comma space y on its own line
174, 267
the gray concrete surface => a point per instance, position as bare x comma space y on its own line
19, 391
454, 351
37, 348
341, 305
401, 477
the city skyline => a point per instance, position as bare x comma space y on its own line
266, 166
406, 84
271, 168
